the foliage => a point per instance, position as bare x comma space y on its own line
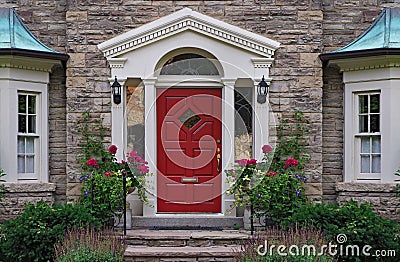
291, 142
358, 222
31, 236
102, 176
275, 185
88, 245
273, 237
2, 187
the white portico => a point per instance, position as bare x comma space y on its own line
241, 58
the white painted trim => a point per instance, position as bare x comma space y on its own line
187, 19
150, 127
388, 86
10, 86
228, 141
118, 132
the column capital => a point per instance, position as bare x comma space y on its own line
149, 81
228, 81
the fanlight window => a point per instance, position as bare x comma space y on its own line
189, 64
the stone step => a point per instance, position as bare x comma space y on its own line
187, 222
182, 238
187, 253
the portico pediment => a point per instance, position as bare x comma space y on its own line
188, 20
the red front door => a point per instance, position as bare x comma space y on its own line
189, 150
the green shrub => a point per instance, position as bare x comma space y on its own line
358, 222
32, 235
2, 187
273, 237
88, 245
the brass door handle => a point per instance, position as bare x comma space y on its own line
219, 163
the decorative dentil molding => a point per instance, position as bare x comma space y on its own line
187, 19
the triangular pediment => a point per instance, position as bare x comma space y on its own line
187, 19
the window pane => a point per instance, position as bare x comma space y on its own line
363, 100
30, 145
21, 103
32, 124
31, 104
376, 164
365, 164
21, 145
363, 124
374, 123
30, 164
376, 144
21, 123
365, 145
21, 164
374, 103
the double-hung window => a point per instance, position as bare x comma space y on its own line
28, 136
368, 136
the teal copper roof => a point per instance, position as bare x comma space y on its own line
15, 38
382, 37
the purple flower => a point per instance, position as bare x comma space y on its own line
301, 177
86, 192
84, 177
119, 196
298, 192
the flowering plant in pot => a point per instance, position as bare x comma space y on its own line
102, 174
102, 189
272, 193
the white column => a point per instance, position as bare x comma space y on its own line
150, 149
118, 135
228, 141
260, 123
261, 111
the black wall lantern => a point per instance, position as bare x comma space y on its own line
116, 92
262, 91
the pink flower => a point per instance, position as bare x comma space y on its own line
113, 149
92, 162
143, 169
108, 174
266, 149
241, 162
251, 162
270, 173
290, 162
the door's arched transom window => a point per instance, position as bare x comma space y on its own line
189, 64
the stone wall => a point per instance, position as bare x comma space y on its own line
18, 195
297, 70
382, 197
305, 29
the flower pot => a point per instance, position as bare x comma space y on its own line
131, 189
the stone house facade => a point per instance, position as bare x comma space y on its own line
291, 37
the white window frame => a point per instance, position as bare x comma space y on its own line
36, 135
358, 135
9, 136
356, 83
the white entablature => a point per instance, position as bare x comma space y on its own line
187, 19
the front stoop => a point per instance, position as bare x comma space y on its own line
185, 222
183, 245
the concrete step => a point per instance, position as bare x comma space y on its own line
187, 222
158, 254
181, 238
183, 245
